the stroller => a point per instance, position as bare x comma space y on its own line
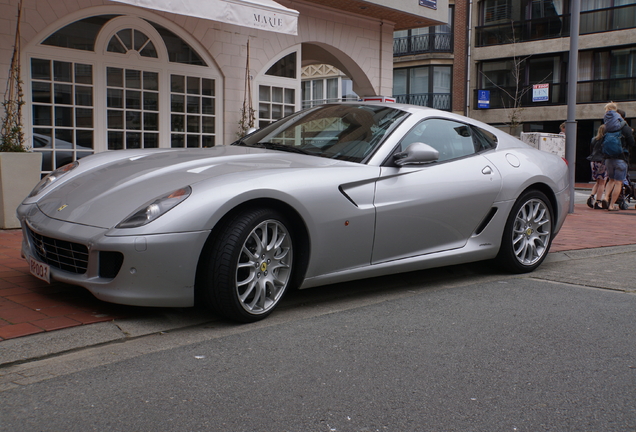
628, 193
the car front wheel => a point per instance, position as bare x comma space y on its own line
528, 233
248, 265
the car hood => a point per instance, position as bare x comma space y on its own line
104, 190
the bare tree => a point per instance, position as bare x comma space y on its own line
512, 98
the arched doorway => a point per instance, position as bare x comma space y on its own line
324, 83
282, 88
315, 53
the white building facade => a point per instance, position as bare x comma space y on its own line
102, 75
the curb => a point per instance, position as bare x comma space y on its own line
42, 345
49, 344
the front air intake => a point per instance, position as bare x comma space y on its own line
60, 254
110, 264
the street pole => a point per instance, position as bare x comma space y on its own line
570, 124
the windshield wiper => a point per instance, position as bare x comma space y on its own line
281, 147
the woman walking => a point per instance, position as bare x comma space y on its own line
599, 173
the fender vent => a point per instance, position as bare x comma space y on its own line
486, 221
347, 196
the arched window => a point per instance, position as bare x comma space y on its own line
113, 82
285, 67
279, 89
79, 35
128, 40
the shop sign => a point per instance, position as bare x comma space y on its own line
265, 21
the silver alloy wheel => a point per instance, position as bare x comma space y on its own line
264, 267
531, 232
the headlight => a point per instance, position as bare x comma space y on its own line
153, 210
53, 177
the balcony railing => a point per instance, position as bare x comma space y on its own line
441, 101
596, 21
422, 44
596, 91
623, 89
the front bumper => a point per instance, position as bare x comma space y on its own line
157, 270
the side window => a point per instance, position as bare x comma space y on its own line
461, 141
484, 140
451, 139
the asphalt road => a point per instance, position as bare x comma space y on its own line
454, 349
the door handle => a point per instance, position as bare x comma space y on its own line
487, 170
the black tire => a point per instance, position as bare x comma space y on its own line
528, 233
243, 274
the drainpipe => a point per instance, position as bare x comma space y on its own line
468, 56
381, 55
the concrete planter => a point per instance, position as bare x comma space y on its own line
19, 173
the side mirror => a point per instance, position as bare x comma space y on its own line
416, 153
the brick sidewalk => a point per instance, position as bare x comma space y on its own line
28, 305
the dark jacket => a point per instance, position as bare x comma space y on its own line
596, 150
628, 140
612, 121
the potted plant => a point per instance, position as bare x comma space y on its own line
19, 167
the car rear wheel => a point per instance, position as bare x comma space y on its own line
248, 265
528, 233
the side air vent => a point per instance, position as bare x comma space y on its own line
347, 196
486, 221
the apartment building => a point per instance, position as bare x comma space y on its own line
430, 63
519, 61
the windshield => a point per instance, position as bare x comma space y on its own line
349, 132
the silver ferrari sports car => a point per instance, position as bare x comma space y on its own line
330, 194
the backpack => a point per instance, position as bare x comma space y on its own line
612, 144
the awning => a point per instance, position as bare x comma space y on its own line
261, 14
406, 14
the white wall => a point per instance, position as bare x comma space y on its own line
363, 45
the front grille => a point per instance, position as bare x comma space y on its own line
64, 255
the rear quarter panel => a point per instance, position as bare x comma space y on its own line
523, 167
